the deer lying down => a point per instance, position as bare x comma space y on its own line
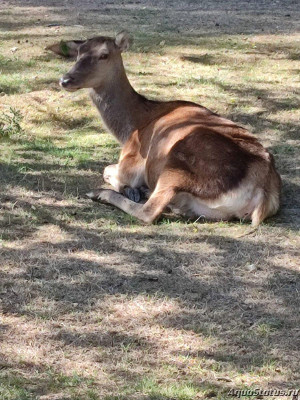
192, 160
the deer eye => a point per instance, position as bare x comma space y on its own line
103, 56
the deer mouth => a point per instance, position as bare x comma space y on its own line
71, 89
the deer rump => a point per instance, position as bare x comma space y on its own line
191, 159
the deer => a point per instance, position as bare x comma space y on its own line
177, 155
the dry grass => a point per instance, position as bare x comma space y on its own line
95, 305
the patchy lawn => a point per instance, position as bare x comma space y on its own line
95, 305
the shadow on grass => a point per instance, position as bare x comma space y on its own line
44, 379
205, 59
153, 17
158, 26
218, 305
47, 381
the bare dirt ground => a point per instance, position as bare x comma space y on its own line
93, 305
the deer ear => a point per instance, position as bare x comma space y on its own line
123, 40
66, 48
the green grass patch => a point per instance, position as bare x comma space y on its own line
159, 391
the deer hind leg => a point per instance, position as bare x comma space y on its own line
146, 212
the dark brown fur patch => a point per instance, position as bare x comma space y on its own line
214, 163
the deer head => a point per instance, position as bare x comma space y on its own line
98, 61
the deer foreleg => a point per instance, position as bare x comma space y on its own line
147, 212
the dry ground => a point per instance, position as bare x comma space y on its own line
95, 305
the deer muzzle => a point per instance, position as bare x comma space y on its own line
67, 82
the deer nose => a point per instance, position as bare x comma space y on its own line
65, 80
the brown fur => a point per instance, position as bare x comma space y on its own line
188, 156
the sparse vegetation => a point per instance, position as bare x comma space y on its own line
95, 305
10, 123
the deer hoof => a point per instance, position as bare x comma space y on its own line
132, 194
145, 192
97, 195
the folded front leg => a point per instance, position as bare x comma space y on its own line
111, 176
147, 212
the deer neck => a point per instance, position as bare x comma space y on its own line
120, 106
